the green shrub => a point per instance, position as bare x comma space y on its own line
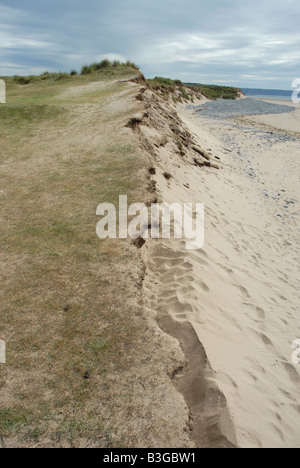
22, 80
164, 84
217, 92
86, 70
105, 65
101, 65
185, 96
53, 76
130, 64
61, 76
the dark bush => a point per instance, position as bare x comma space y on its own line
22, 80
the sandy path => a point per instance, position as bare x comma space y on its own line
241, 292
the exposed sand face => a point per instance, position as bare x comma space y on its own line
241, 292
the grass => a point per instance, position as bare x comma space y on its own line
49, 91
105, 66
12, 418
217, 92
164, 84
185, 92
108, 65
68, 313
171, 88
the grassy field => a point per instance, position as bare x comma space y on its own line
69, 315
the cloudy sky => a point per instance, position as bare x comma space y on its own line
244, 43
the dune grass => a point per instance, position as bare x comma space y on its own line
99, 70
168, 87
217, 92
107, 65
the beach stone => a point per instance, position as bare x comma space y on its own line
225, 109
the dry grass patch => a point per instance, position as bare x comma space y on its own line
70, 311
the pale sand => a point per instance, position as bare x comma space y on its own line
290, 122
241, 292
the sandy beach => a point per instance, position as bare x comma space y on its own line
234, 304
289, 123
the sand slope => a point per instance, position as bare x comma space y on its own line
240, 293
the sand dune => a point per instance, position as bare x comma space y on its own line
240, 294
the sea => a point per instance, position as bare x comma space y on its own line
268, 93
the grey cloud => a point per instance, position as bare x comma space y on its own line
218, 40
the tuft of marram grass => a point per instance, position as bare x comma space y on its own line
104, 64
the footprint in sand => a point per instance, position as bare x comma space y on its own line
286, 394
243, 290
261, 313
291, 371
204, 287
282, 297
266, 340
227, 269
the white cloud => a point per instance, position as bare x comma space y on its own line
113, 57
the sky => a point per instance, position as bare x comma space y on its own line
233, 42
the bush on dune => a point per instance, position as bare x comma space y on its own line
106, 64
